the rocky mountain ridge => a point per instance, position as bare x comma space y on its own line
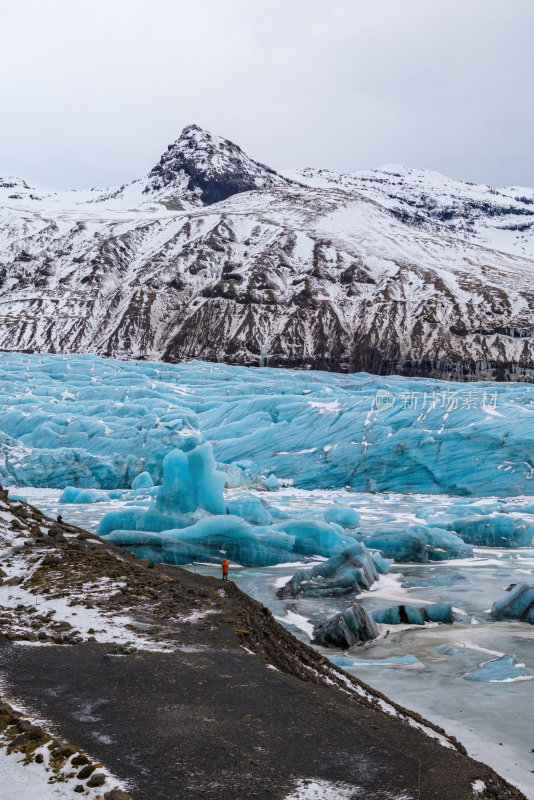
215, 256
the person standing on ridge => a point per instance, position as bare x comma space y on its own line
225, 567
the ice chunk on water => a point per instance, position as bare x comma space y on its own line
447, 650
193, 486
315, 538
71, 494
191, 481
272, 483
352, 570
210, 539
496, 530
250, 508
143, 481
418, 543
504, 669
346, 517
518, 604
353, 626
414, 615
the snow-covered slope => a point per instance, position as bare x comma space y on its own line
500, 219
215, 256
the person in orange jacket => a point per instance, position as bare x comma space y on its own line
225, 568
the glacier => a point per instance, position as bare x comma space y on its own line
84, 421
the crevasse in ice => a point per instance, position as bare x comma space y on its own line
84, 421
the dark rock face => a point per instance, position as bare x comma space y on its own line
220, 258
353, 626
215, 168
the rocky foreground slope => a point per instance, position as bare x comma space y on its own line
215, 256
167, 684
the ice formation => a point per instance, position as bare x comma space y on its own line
502, 669
351, 571
353, 626
414, 615
346, 517
84, 421
72, 494
187, 519
497, 530
418, 543
143, 481
519, 604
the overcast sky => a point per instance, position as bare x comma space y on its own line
92, 91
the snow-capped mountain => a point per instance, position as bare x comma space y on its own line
213, 255
501, 219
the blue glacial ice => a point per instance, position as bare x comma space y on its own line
417, 543
447, 650
83, 421
518, 604
73, 494
251, 509
346, 517
504, 669
350, 572
414, 615
187, 519
143, 481
496, 530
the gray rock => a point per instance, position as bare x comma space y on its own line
35, 731
16, 580
97, 779
22, 738
85, 772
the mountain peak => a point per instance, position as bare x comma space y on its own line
212, 168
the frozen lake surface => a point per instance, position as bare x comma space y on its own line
493, 718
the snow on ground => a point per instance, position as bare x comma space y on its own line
22, 781
49, 777
317, 789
